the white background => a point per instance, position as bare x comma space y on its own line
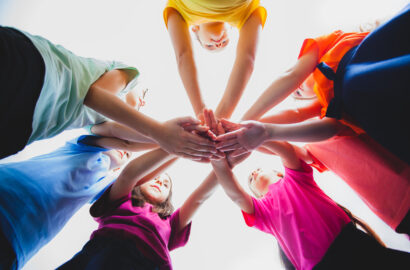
133, 31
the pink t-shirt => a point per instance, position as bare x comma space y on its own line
303, 219
154, 237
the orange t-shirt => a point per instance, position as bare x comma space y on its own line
332, 48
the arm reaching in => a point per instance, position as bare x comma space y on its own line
284, 85
170, 135
181, 41
232, 188
249, 135
196, 199
242, 67
140, 170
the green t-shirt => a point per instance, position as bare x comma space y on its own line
66, 82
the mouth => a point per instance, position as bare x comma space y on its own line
156, 188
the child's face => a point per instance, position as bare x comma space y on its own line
213, 36
260, 180
305, 90
117, 158
157, 190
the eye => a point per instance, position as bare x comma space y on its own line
209, 46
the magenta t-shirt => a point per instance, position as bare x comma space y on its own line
303, 219
154, 236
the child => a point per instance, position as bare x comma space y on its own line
209, 19
39, 195
137, 225
358, 78
49, 86
313, 231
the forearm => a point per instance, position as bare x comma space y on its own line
308, 131
117, 130
197, 198
115, 143
232, 188
238, 79
280, 89
136, 170
297, 115
188, 73
111, 106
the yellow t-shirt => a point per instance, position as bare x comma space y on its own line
234, 12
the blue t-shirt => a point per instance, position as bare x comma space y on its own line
39, 196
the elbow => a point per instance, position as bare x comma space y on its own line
183, 56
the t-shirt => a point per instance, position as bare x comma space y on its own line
332, 48
39, 195
67, 80
303, 219
154, 237
234, 12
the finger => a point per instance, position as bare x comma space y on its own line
239, 152
184, 155
203, 148
196, 153
214, 122
211, 135
229, 125
230, 147
227, 136
220, 129
199, 128
196, 139
226, 143
207, 118
187, 120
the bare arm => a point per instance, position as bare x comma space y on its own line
196, 199
231, 186
297, 115
136, 170
288, 153
181, 41
170, 135
284, 85
115, 143
117, 130
243, 66
249, 135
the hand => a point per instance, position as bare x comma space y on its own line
235, 160
214, 125
245, 137
177, 137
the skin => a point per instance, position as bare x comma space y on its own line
157, 190
235, 191
249, 135
174, 136
144, 171
213, 35
260, 180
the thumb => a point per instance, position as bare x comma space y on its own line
187, 120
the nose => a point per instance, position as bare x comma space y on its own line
159, 181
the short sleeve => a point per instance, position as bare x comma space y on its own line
263, 215
261, 11
178, 238
323, 43
305, 174
103, 205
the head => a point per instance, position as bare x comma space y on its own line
212, 36
305, 90
260, 180
158, 192
117, 158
